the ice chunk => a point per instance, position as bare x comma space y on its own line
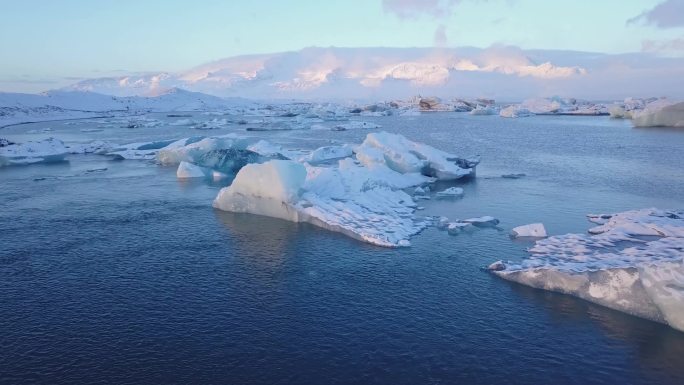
661, 113
457, 227
515, 112
485, 221
44, 151
326, 153
355, 125
483, 110
269, 189
348, 199
148, 150
189, 170
451, 192
632, 262
404, 156
531, 230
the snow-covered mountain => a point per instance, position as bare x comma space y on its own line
504, 73
64, 104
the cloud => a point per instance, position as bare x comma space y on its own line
441, 39
668, 14
666, 46
414, 9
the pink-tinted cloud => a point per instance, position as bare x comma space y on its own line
413, 9
668, 14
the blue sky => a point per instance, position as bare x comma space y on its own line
52, 42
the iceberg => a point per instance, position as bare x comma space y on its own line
514, 112
225, 154
355, 125
486, 221
362, 198
45, 151
406, 157
632, 262
483, 110
188, 170
661, 113
536, 230
326, 153
451, 192
345, 199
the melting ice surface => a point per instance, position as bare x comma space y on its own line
632, 262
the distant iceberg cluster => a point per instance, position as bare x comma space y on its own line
632, 262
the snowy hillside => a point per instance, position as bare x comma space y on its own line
51, 105
504, 73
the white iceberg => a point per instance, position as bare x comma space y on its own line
483, 110
346, 199
632, 262
485, 221
514, 112
661, 113
536, 230
188, 170
451, 192
406, 157
326, 153
44, 151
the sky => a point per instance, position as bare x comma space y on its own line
46, 43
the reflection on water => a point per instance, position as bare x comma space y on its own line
262, 242
657, 347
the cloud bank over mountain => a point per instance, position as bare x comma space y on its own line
502, 72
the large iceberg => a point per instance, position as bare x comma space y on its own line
340, 199
632, 262
44, 151
407, 157
660, 113
362, 197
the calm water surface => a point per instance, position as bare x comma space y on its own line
129, 276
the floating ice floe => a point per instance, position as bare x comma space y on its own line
362, 199
182, 122
98, 147
661, 113
515, 112
407, 157
451, 192
486, 221
327, 153
331, 198
534, 230
632, 262
148, 150
483, 110
44, 151
355, 125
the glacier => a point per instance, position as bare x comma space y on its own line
632, 261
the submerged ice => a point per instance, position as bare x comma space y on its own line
632, 262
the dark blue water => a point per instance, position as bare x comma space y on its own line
128, 276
